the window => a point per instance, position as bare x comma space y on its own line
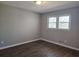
61, 22
52, 22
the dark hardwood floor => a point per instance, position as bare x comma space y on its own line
38, 49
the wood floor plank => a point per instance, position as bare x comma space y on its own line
39, 49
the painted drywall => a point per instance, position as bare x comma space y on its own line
17, 25
67, 37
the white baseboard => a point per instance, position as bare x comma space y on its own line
18, 44
39, 39
60, 44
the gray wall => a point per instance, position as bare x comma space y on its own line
67, 37
17, 25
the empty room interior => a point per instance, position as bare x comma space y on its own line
39, 28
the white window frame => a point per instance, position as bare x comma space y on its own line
48, 22
69, 21
57, 22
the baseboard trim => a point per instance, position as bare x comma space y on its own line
18, 44
60, 44
37, 40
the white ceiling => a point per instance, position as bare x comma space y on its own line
48, 6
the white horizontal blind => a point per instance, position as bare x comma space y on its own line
52, 22
63, 22
59, 22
